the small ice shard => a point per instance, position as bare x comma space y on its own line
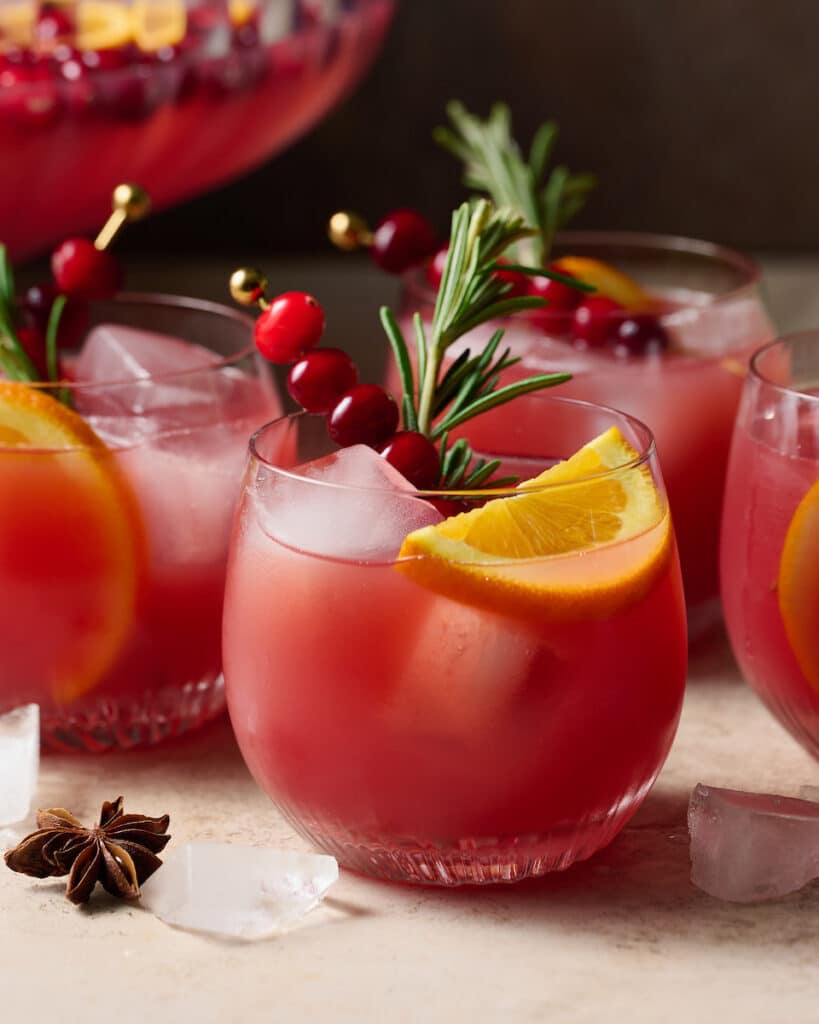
747, 847
240, 892
19, 761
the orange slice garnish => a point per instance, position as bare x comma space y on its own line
17, 24
103, 25
799, 585
71, 546
157, 24
583, 549
242, 11
608, 281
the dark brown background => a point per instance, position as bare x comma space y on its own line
700, 118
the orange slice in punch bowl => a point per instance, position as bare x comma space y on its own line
71, 548
158, 23
799, 585
608, 281
582, 550
103, 25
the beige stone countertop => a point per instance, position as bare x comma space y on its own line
622, 937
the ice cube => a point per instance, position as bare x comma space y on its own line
747, 847
241, 892
156, 383
352, 505
19, 761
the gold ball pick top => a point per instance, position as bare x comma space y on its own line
247, 287
349, 231
129, 202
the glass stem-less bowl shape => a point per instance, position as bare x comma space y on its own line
687, 395
770, 534
425, 738
180, 119
113, 547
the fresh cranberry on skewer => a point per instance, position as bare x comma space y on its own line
519, 282
291, 325
639, 334
320, 378
83, 271
595, 320
365, 414
403, 239
414, 456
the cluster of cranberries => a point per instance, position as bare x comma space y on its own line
325, 381
55, 78
81, 272
405, 239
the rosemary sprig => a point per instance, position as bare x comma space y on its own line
494, 165
470, 294
14, 360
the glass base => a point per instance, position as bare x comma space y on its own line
483, 861
121, 725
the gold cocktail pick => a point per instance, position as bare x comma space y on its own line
349, 231
247, 287
129, 202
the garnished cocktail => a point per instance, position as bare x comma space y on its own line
476, 680
770, 534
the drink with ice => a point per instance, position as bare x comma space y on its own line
114, 521
429, 718
770, 534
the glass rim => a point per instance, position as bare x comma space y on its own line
415, 281
166, 301
785, 341
645, 455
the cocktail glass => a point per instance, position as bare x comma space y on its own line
242, 81
770, 533
688, 395
112, 556
428, 737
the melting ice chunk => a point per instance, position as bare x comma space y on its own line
361, 507
747, 847
156, 383
241, 892
19, 761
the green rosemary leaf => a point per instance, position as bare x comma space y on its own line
459, 464
481, 472
402, 359
551, 199
52, 362
6, 282
490, 350
506, 394
555, 275
543, 144
503, 308
453, 458
420, 345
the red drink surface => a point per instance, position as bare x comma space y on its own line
765, 487
391, 723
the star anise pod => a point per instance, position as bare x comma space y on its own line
120, 852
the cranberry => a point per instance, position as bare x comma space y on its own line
639, 334
519, 282
37, 303
435, 267
83, 271
595, 320
556, 318
53, 23
365, 414
403, 239
320, 378
105, 60
291, 325
415, 456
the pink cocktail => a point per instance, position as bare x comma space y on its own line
426, 732
770, 534
709, 307
113, 543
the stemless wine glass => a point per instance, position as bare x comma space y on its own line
422, 719
116, 496
770, 533
707, 300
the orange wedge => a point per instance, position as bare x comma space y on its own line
608, 281
799, 585
242, 11
157, 23
71, 548
16, 23
103, 25
591, 540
